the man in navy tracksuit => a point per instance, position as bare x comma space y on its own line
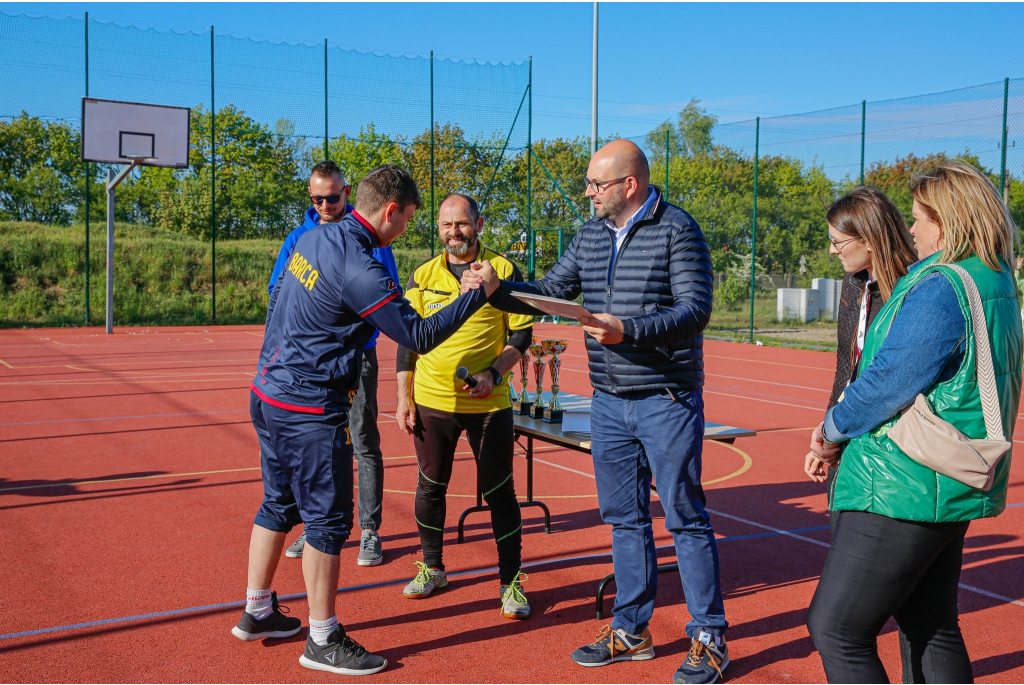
323, 311
329, 194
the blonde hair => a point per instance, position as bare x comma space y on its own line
867, 213
971, 215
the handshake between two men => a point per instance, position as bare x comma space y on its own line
605, 328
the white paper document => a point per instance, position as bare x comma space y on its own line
553, 306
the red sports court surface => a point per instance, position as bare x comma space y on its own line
130, 478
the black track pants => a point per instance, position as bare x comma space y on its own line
490, 437
880, 567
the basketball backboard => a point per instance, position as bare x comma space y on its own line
115, 132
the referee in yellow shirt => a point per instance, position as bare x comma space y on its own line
441, 407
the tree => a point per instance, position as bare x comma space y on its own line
42, 177
260, 192
691, 135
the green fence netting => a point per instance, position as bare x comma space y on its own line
197, 246
799, 165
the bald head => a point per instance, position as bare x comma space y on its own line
622, 158
620, 177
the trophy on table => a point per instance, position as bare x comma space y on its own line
553, 410
522, 403
538, 351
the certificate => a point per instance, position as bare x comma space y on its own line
553, 306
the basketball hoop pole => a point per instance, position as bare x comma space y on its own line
113, 180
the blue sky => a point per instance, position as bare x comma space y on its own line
740, 60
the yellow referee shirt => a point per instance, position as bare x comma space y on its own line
475, 346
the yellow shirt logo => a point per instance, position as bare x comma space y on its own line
304, 271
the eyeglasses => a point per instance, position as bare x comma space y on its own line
838, 244
329, 199
601, 186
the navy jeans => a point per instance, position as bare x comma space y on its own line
636, 436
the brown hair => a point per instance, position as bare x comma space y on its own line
971, 215
867, 213
387, 183
327, 170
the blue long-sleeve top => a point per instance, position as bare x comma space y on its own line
926, 345
384, 255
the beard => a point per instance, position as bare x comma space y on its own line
611, 206
332, 216
459, 249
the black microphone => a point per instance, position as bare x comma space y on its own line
462, 373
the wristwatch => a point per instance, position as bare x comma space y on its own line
498, 378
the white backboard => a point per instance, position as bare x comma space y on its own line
115, 132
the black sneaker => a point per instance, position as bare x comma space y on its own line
705, 662
615, 645
341, 655
274, 625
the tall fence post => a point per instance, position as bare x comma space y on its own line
430, 219
327, 152
863, 133
1002, 165
531, 237
213, 186
87, 179
753, 228
668, 132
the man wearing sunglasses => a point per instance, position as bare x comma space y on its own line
329, 193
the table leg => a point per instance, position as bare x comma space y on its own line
530, 502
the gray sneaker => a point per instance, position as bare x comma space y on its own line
295, 551
426, 581
370, 551
513, 600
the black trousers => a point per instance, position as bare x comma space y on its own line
490, 435
880, 567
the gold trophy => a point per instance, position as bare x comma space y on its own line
522, 403
553, 410
538, 352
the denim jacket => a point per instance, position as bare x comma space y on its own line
925, 346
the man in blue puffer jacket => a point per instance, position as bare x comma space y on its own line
329, 194
644, 269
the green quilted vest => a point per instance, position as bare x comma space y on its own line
877, 476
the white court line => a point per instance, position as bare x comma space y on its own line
755, 380
758, 399
779, 531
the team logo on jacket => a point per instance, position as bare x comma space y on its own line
391, 285
304, 271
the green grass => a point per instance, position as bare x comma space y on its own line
160, 277
734, 324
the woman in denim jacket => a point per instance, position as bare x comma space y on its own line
870, 238
898, 544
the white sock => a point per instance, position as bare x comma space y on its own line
258, 603
319, 630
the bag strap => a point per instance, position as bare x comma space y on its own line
983, 357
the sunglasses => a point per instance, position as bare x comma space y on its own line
329, 199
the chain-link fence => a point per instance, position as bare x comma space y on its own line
767, 182
197, 245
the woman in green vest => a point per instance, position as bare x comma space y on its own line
898, 545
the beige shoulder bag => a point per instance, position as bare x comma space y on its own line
930, 441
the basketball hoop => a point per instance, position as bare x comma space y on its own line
136, 134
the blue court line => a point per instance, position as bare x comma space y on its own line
352, 588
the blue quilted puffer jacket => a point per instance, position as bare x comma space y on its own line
660, 286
